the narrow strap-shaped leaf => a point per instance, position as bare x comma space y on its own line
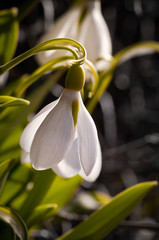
14, 220
100, 223
9, 33
42, 181
16, 183
41, 213
4, 171
61, 190
8, 101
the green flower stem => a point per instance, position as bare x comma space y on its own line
42, 182
105, 80
133, 51
70, 45
124, 55
26, 8
95, 75
49, 66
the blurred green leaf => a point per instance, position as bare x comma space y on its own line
41, 213
9, 147
14, 220
4, 171
62, 190
41, 183
38, 73
49, 188
101, 197
9, 34
8, 101
101, 222
10, 88
17, 180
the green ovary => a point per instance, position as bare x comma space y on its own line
75, 78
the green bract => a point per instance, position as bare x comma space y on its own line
75, 78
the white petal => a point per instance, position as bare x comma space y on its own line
64, 27
94, 34
70, 165
25, 157
88, 139
55, 135
30, 130
96, 169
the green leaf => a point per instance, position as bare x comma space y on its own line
9, 147
100, 223
49, 188
14, 220
62, 190
9, 34
101, 197
41, 213
41, 183
39, 72
8, 101
4, 171
16, 183
10, 88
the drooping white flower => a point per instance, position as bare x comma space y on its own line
90, 30
63, 136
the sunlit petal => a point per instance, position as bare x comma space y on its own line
25, 157
55, 135
65, 26
70, 165
96, 169
95, 34
30, 130
88, 139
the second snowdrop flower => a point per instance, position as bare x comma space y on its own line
85, 24
63, 136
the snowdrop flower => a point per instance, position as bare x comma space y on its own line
83, 23
63, 136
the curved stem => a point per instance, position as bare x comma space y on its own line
126, 54
60, 62
136, 50
95, 75
70, 45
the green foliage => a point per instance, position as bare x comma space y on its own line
15, 221
61, 191
9, 27
17, 180
4, 171
100, 223
41, 213
7, 101
38, 195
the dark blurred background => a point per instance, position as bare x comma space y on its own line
127, 115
